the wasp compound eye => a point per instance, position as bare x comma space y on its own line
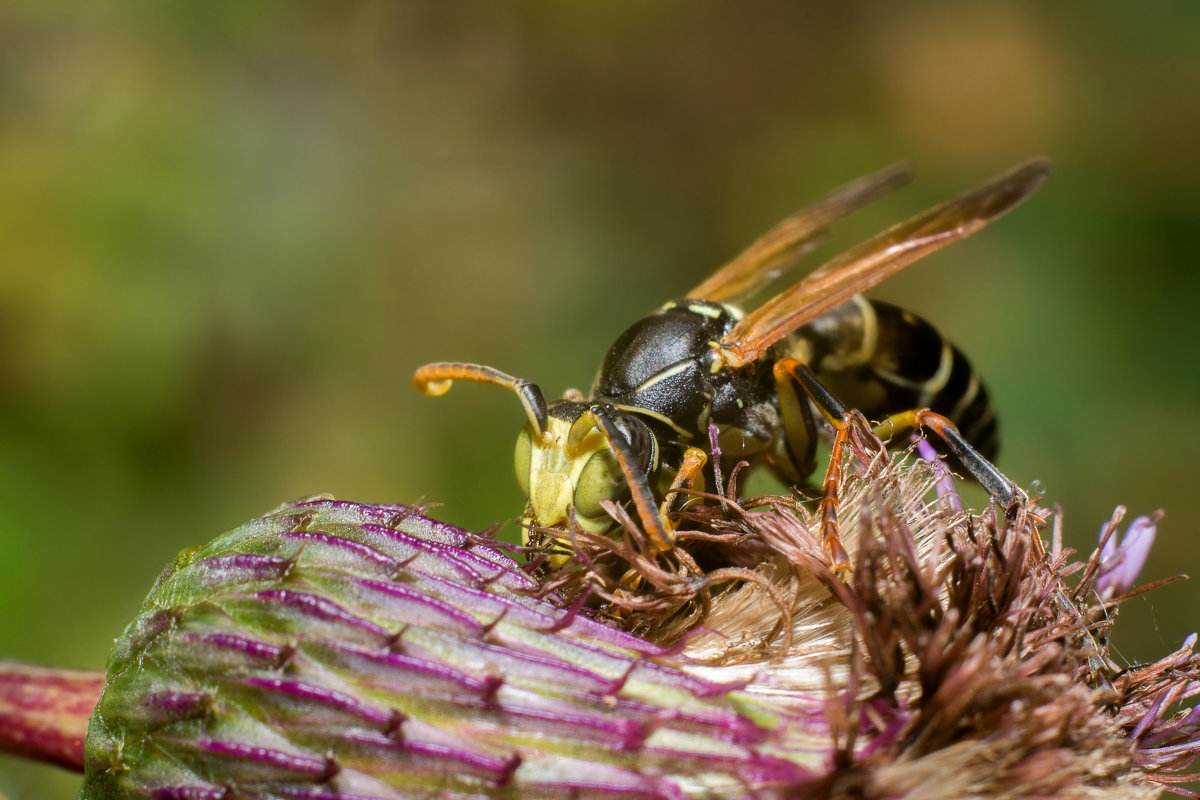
522, 459
641, 442
600, 479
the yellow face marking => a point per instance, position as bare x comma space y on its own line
554, 470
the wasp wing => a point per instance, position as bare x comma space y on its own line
861, 267
796, 235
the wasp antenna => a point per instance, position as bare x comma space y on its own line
436, 379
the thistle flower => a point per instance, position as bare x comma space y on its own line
1121, 563
336, 650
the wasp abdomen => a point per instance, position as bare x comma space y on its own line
884, 360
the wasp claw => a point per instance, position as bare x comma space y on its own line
839, 559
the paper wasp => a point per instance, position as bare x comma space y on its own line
764, 379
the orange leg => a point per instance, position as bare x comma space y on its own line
831, 493
838, 415
694, 460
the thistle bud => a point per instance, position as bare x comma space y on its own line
340, 650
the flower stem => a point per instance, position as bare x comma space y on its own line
44, 712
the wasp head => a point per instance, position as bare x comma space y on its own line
578, 460
571, 454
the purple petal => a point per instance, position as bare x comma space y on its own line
945, 480
1119, 570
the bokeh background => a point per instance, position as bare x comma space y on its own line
229, 231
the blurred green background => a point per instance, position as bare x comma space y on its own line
229, 231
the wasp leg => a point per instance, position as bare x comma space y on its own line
982, 470
694, 460
838, 416
660, 534
799, 426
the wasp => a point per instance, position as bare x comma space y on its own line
766, 379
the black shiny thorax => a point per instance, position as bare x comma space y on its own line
662, 368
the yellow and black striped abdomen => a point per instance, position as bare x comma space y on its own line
884, 360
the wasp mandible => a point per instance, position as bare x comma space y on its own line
765, 378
